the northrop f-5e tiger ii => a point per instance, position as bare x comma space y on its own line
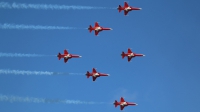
130, 55
97, 28
95, 74
123, 103
67, 56
127, 8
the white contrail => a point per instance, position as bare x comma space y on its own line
23, 72
14, 5
26, 72
33, 27
21, 55
41, 100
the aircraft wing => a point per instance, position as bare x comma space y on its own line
121, 107
94, 78
125, 4
122, 99
125, 12
65, 60
129, 59
129, 50
96, 24
96, 33
94, 70
65, 51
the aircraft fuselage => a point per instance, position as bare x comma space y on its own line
131, 55
98, 29
95, 74
127, 9
67, 56
123, 104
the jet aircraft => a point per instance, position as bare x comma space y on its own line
67, 56
127, 8
95, 74
97, 28
123, 103
130, 55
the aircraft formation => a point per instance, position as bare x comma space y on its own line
94, 74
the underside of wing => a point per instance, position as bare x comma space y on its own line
125, 12
94, 78
129, 59
96, 32
65, 60
121, 107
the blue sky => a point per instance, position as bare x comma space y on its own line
166, 79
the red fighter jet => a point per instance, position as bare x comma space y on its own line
130, 55
67, 56
95, 74
97, 28
127, 8
123, 103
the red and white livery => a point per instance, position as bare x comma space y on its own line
130, 55
95, 74
67, 56
123, 103
97, 28
127, 8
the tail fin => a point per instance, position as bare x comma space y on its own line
59, 57
88, 74
119, 8
90, 28
123, 55
116, 103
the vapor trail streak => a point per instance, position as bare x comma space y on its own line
41, 100
21, 55
33, 27
14, 5
23, 72
26, 72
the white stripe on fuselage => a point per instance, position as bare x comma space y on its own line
131, 55
128, 8
67, 56
97, 28
95, 74
123, 104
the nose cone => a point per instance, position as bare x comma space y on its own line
111, 29
140, 8
80, 56
143, 55
136, 104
